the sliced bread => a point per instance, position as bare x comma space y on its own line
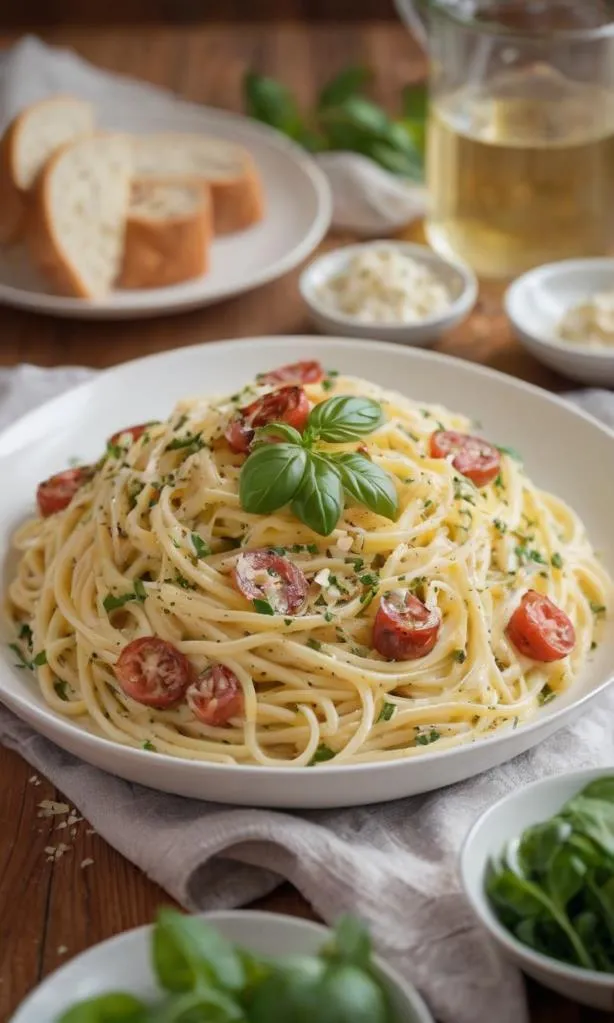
228, 168
168, 234
78, 219
31, 138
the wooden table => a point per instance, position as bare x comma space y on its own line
52, 910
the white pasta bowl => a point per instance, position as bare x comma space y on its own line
535, 304
566, 451
503, 822
122, 964
459, 280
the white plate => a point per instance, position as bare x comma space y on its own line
122, 964
565, 450
298, 211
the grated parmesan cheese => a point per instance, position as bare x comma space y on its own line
383, 285
590, 323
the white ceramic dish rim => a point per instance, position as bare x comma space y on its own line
407, 990
61, 305
488, 918
512, 298
466, 298
67, 728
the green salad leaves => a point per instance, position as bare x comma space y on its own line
316, 483
205, 977
554, 888
344, 118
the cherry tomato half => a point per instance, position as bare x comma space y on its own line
541, 630
287, 405
134, 431
263, 575
310, 372
474, 458
56, 493
404, 627
153, 671
216, 696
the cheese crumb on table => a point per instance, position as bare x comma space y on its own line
591, 322
383, 285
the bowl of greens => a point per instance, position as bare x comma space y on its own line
233, 967
538, 869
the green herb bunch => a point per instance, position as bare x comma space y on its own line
344, 118
554, 889
312, 481
205, 977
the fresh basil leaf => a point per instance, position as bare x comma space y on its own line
186, 951
342, 86
368, 484
201, 546
359, 113
318, 502
263, 607
271, 477
264, 433
404, 163
415, 101
203, 1005
272, 103
345, 418
109, 1008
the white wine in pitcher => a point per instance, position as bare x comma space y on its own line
522, 173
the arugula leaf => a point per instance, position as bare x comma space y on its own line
539, 843
186, 952
318, 502
347, 83
345, 418
272, 103
271, 477
110, 1008
201, 546
367, 484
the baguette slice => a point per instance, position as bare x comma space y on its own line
168, 234
78, 220
228, 168
31, 138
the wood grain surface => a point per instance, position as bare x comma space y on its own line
51, 910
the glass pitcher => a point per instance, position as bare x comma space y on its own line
520, 151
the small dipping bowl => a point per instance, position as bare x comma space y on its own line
491, 833
458, 279
537, 302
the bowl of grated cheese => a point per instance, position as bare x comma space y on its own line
563, 313
395, 291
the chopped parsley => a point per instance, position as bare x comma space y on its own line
461, 494
546, 696
140, 592
24, 663
498, 482
327, 384
427, 738
40, 659
525, 554
322, 753
180, 422
201, 546
314, 644
386, 712
358, 563
60, 688
509, 451
460, 656
183, 582
427, 504
114, 450
328, 616
263, 607
597, 609
111, 603
593, 646
149, 746
192, 441
25, 633
369, 579
556, 560
288, 621
500, 526
416, 584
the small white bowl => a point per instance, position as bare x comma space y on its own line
537, 302
458, 278
123, 964
504, 821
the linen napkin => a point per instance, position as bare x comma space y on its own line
394, 864
367, 199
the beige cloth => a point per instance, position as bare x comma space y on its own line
394, 865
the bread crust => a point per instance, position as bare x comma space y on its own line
159, 252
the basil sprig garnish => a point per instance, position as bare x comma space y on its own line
313, 482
